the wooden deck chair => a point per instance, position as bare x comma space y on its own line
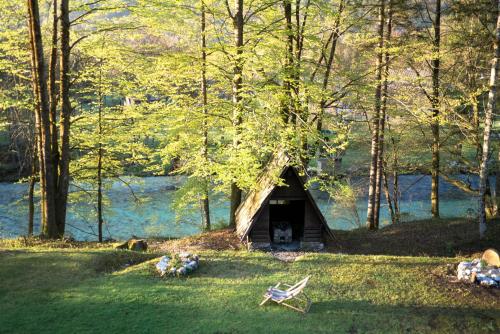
294, 292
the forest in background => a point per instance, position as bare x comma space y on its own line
94, 90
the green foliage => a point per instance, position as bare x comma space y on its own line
149, 53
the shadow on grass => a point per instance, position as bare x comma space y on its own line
128, 306
50, 271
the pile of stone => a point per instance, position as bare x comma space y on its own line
178, 265
484, 271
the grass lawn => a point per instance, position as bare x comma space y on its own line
54, 290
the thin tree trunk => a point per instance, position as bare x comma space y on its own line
100, 220
298, 36
370, 217
63, 182
38, 155
42, 116
497, 186
205, 205
435, 113
395, 179
32, 183
380, 155
395, 189
100, 153
37, 112
488, 197
329, 64
315, 148
490, 108
477, 129
388, 197
237, 100
288, 110
301, 107
53, 92
31, 203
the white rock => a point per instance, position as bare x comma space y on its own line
162, 265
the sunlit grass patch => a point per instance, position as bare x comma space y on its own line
67, 291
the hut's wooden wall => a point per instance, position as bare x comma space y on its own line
312, 225
260, 230
294, 189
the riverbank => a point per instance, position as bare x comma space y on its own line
454, 237
151, 210
430, 237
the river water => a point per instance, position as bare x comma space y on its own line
148, 211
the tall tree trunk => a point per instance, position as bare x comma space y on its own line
490, 108
477, 129
435, 113
395, 183
315, 148
100, 153
53, 91
288, 111
237, 100
301, 106
32, 183
31, 202
497, 186
100, 220
329, 64
380, 155
298, 37
63, 182
205, 205
388, 197
370, 217
42, 119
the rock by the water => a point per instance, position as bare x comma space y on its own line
123, 245
134, 244
138, 245
491, 257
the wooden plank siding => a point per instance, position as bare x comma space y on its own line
260, 231
312, 225
293, 190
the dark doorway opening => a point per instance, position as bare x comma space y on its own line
286, 217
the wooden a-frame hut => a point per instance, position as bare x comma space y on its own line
282, 214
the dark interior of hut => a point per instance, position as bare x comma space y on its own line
286, 219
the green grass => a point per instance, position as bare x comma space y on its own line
76, 290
